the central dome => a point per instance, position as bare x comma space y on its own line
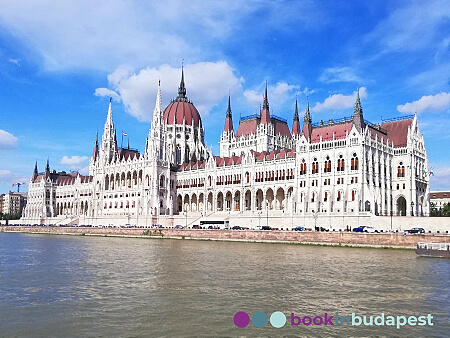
182, 111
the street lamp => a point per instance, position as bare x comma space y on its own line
267, 214
412, 208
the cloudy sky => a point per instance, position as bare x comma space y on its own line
61, 61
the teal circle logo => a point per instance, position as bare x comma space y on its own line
278, 319
259, 319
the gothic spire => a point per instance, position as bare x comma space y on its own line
358, 118
296, 123
47, 167
95, 151
307, 126
35, 168
307, 118
228, 119
265, 115
182, 88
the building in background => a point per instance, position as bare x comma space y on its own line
337, 169
14, 202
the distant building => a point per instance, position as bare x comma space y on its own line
439, 199
14, 202
1, 202
339, 168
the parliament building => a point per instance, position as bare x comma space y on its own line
336, 170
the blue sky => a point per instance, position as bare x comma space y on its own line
60, 61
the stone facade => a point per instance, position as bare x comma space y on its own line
338, 168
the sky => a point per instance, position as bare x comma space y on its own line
62, 61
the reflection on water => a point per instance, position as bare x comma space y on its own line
92, 286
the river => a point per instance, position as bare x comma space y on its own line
86, 286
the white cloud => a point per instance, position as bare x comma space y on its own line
207, 83
101, 35
7, 140
74, 162
339, 101
8, 177
277, 94
339, 74
413, 27
430, 103
107, 92
14, 61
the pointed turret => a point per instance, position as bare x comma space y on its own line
296, 123
228, 119
47, 169
358, 118
35, 172
109, 140
265, 114
307, 122
95, 151
182, 88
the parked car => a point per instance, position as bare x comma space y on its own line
299, 229
265, 227
359, 229
195, 226
236, 227
370, 229
416, 231
179, 226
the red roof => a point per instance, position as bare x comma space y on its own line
378, 133
440, 194
397, 131
181, 110
281, 128
247, 127
339, 131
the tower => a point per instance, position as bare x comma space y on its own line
109, 141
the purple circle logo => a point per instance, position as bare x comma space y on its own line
241, 319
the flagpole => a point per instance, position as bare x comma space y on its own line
121, 143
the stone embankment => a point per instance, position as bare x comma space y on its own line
389, 240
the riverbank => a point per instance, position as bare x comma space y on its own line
347, 239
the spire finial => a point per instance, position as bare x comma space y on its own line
47, 167
182, 88
35, 168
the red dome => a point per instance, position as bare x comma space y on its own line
180, 111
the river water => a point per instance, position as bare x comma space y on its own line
82, 286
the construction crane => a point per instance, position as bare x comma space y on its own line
18, 185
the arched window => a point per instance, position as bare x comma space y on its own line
401, 170
247, 175
178, 154
303, 167
315, 166
338, 196
354, 162
353, 195
161, 181
312, 197
327, 165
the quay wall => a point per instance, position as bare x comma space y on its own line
305, 237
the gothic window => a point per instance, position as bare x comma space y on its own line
353, 195
354, 164
303, 167
401, 170
315, 166
312, 197
340, 164
178, 154
325, 198
338, 196
327, 165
